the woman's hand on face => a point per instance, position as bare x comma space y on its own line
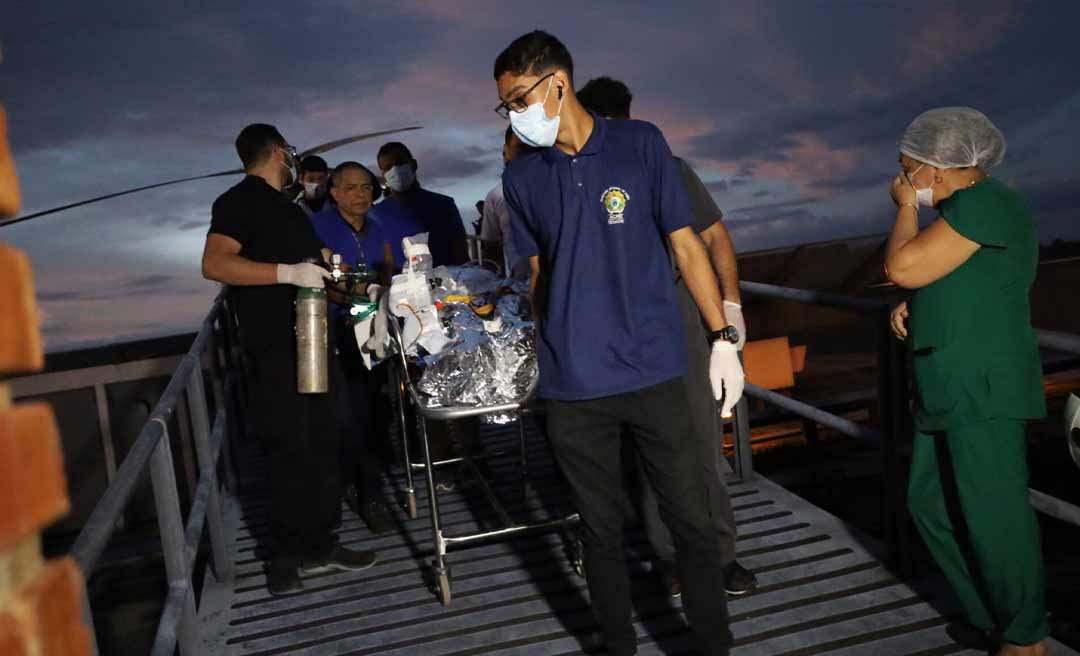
899, 317
901, 191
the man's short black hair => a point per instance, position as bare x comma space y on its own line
392, 147
607, 97
256, 143
313, 164
536, 52
339, 170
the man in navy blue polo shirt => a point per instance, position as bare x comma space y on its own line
411, 209
591, 211
346, 229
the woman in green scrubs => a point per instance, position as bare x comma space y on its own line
977, 372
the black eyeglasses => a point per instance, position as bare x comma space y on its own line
518, 105
289, 150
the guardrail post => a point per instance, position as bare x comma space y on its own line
895, 426
173, 544
744, 454
196, 395
217, 378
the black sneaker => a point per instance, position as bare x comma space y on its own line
283, 577
377, 517
339, 560
968, 635
738, 580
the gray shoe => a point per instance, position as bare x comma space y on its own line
339, 560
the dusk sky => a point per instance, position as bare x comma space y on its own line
790, 111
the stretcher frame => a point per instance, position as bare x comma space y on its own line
405, 389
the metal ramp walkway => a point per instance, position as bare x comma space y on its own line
823, 591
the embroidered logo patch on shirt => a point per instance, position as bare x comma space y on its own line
615, 201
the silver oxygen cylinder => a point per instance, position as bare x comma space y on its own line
312, 348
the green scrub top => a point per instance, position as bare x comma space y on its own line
975, 353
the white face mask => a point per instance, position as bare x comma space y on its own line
314, 190
923, 197
400, 177
533, 126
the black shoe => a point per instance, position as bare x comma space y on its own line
377, 517
671, 580
738, 580
283, 578
339, 560
966, 634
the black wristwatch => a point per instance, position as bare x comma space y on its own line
728, 334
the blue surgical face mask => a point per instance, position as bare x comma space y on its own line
400, 177
533, 126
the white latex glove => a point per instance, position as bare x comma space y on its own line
374, 291
733, 314
726, 375
304, 274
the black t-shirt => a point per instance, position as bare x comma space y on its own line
269, 229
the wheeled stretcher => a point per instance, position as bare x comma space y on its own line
406, 392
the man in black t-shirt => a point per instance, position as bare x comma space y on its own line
611, 99
259, 244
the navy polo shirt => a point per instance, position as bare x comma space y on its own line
419, 211
365, 245
599, 222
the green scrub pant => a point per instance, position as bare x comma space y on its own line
1001, 585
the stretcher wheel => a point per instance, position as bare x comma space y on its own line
410, 504
442, 587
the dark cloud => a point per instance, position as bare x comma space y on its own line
148, 282
440, 165
718, 187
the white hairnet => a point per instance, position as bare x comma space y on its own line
954, 137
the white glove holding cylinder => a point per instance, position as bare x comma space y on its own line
733, 314
726, 375
304, 274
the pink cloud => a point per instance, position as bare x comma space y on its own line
944, 34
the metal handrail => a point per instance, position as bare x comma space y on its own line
152, 451
893, 399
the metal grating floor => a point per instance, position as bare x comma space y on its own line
822, 590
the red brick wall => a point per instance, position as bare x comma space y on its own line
40, 601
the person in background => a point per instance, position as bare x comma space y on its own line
10, 199
977, 373
591, 210
313, 175
495, 226
346, 229
411, 209
263, 247
477, 222
611, 99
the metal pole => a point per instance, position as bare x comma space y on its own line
173, 543
397, 379
744, 453
892, 397
217, 377
223, 569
